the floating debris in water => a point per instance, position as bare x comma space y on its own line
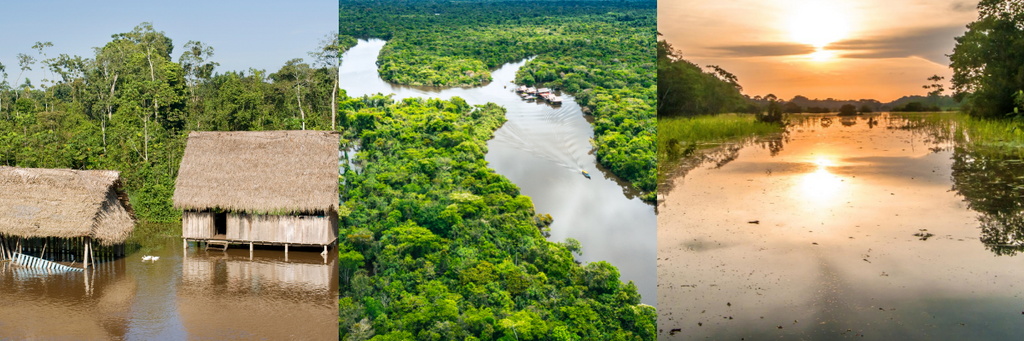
674, 331
754, 222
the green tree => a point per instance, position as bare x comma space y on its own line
987, 58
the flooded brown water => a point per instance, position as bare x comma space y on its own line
542, 149
863, 230
193, 295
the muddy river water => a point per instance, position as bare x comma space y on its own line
185, 295
542, 149
864, 227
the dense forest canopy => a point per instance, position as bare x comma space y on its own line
437, 246
685, 89
130, 106
601, 52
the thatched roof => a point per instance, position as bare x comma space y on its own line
259, 172
64, 203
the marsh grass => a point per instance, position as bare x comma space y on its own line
1006, 134
682, 137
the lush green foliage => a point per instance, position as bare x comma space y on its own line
437, 246
602, 52
987, 59
131, 106
684, 89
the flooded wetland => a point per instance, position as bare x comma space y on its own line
186, 294
882, 227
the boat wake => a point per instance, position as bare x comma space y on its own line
535, 133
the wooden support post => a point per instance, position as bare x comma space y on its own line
85, 255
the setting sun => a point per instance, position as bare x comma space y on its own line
818, 24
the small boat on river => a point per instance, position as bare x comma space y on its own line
585, 174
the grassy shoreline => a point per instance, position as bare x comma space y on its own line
679, 138
959, 127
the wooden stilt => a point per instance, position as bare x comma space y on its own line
85, 256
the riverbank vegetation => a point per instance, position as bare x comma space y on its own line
681, 137
691, 103
437, 246
601, 52
987, 59
130, 106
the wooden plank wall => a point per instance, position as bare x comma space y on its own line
283, 229
197, 225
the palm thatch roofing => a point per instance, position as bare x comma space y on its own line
64, 203
277, 172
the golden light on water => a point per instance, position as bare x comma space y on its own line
819, 186
818, 23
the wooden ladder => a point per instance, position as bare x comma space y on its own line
217, 245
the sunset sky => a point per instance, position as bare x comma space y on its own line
844, 49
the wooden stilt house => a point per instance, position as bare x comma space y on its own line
61, 213
261, 187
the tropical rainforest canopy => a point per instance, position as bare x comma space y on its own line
601, 52
130, 106
437, 246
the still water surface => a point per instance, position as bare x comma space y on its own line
542, 149
193, 295
867, 227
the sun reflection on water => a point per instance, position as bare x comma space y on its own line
819, 186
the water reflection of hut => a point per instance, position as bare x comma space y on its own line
223, 295
60, 213
271, 188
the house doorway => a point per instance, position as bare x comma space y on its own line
220, 224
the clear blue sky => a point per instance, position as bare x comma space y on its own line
259, 34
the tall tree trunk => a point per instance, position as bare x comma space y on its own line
303, 113
334, 109
152, 77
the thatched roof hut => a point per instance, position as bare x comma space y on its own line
64, 203
275, 172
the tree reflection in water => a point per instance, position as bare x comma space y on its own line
991, 180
